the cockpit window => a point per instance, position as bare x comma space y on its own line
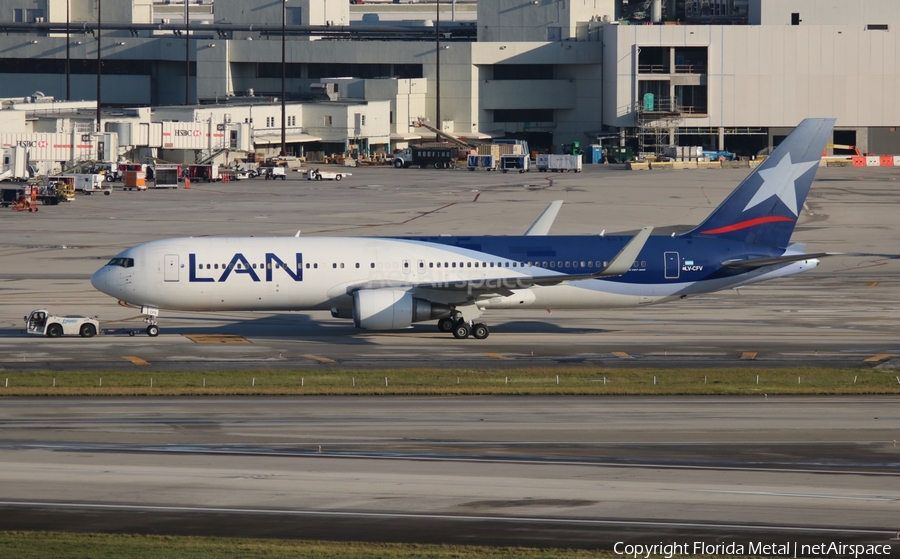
122, 262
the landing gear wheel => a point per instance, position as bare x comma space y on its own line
88, 331
54, 330
461, 331
153, 330
480, 331
445, 325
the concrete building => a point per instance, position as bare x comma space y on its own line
549, 71
744, 86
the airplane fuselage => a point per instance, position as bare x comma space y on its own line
321, 273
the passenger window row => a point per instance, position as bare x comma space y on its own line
128, 262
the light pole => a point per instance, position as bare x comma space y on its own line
99, 71
437, 67
283, 79
187, 53
68, 70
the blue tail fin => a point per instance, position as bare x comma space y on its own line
764, 208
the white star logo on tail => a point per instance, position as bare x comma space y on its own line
779, 181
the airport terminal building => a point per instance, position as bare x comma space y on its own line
725, 74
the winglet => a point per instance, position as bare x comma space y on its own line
626, 257
545, 221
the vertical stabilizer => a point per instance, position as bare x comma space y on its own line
764, 208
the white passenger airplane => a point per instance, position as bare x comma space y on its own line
386, 283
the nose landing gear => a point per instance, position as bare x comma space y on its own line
151, 320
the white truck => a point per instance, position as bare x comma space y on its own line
42, 323
558, 163
85, 183
316, 174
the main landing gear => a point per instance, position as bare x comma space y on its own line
462, 328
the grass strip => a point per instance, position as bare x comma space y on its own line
443, 381
41, 545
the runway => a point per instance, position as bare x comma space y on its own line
576, 471
843, 313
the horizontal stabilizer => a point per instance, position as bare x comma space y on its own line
760, 262
543, 223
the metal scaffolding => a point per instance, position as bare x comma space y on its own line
657, 124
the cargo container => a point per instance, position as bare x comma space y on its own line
558, 163
166, 175
486, 162
520, 163
135, 180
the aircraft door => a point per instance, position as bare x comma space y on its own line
673, 265
406, 266
171, 267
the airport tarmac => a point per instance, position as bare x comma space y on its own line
572, 472
580, 472
841, 314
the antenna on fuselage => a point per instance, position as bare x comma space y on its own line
298, 233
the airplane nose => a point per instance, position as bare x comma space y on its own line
99, 279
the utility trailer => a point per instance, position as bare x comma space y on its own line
481, 161
515, 162
316, 174
41, 322
208, 173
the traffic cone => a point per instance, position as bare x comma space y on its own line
187, 182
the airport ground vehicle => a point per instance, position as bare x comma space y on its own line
49, 195
111, 171
84, 183
439, 156
317, 174
275, 173
41, 322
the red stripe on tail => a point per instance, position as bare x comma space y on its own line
745, 224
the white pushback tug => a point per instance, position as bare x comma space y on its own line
42, 323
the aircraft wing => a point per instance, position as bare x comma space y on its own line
760, 262
504, 286
542, 225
